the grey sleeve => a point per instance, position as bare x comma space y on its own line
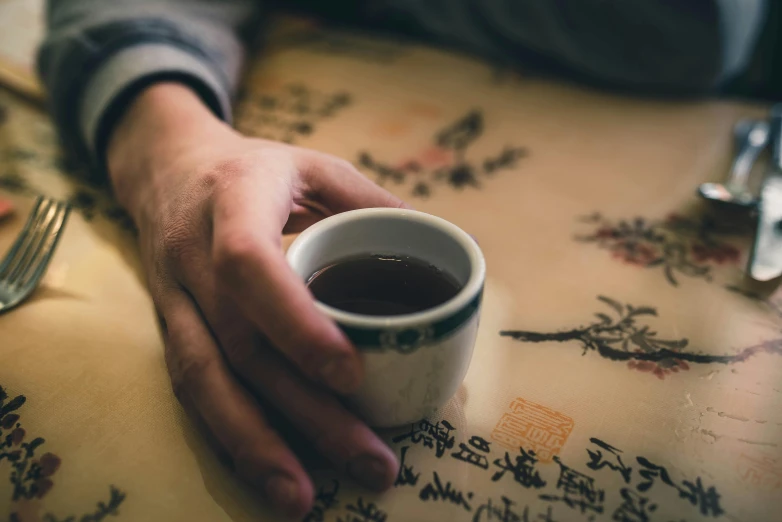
681, 46
98, 53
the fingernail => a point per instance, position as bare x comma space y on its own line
340, 374
371, 471
283, 493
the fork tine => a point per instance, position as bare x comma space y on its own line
34, 271
32, 219
36, 236
49, 252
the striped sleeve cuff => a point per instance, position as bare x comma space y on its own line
92, 74
121, 76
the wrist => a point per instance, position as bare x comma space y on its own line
163, 122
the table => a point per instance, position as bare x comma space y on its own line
22, 27
625, 369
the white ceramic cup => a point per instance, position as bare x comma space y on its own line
414, 363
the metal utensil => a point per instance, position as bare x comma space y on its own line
26, 261
750, 137
766, 259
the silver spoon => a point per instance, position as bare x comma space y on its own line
750, 137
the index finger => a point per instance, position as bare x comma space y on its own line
248, 218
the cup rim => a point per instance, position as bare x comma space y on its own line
463, 298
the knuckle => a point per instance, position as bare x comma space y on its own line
225, 169
213, 178
179, 390
307, 349
232, 252
300, 339
338, 439
345, 165
177, 386
228, 170
239, 351
271, 157
250, 457
208, 180
190, 372
246, 450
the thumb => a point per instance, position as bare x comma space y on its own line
340, 186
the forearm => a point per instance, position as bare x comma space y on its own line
98, 54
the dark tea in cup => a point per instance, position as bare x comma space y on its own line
382, 285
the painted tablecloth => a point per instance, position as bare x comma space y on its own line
625, 369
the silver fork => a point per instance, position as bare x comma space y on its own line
26, 261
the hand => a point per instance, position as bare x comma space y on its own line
211, 206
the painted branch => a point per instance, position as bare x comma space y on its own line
608, 352
536, 337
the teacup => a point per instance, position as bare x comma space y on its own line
414, 363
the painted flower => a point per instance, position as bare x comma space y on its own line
9, 420
606, 232
430, 158
433, 157
659, 368
6, 208
676, 219
49, 464
42, 487
17, 436
635, 253
718, 253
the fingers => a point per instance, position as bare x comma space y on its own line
340, 186
314, 413
201, 380
337, 434
248, 217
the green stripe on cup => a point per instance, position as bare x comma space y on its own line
408, 340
